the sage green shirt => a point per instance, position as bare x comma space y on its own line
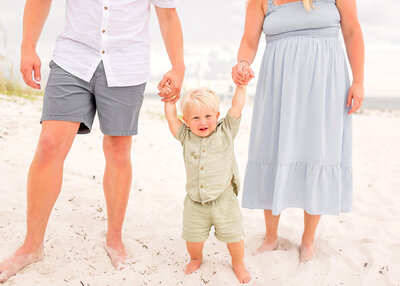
210, 161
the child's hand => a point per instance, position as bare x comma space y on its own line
165, 89
242, 73
247, 73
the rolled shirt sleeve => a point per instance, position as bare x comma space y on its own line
182, 133
165, 3
231, 124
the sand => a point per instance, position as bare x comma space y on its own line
358, 248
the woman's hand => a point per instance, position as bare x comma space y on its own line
242, 74
356, 94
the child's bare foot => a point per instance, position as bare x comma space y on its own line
117, 254
267, 245
306, 252
19, 260
193, 265
241, 273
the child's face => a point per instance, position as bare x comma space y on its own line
201, 120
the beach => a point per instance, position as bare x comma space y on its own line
357, 248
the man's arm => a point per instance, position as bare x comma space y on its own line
171, 32
35, 14
238, 101
173, 121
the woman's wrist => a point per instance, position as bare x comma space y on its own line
358, 82
244, 61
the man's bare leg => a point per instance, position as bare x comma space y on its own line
307, 241
271, 233
117, 184
43, 188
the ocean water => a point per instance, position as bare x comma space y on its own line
370, 102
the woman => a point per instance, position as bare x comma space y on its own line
300, 142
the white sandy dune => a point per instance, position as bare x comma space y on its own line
359, 248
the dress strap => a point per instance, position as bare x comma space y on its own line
270, 4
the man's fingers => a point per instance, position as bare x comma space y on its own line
28, 78
162, 82
36, 69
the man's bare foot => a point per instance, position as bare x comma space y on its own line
19, 260
117, 254
306, 252
241, 273
267, 245
193, 265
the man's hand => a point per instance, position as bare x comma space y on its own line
30, 62
170, 85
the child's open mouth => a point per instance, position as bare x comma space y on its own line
203, 129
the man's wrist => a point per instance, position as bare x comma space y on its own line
28, 47
179, 67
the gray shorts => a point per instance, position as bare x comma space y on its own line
69, 98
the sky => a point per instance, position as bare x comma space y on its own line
212, 32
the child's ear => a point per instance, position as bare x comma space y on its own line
184, 119
218, 115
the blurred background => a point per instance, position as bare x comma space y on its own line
212, 32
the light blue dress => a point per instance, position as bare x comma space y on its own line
300, 142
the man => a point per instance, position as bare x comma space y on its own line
101, 62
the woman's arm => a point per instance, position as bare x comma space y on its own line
354, 42
251, 37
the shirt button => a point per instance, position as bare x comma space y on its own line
203, 150
202, 168
201, 186
105, 8
103, 52
103, 31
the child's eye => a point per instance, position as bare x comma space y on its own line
208, 116
195, 118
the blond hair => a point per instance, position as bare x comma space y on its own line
200, 96
308, 4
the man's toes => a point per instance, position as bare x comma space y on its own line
4, 275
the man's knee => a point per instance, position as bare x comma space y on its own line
50, 147
117, 149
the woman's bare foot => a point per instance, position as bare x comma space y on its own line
306, 252
193, 265
267, 245
241, 273
117, 254
19, 260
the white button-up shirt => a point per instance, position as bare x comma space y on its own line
113, 31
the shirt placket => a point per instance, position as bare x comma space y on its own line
202, 171
104, 28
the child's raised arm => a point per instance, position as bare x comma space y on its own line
173, 121
238, 102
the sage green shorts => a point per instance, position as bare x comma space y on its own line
223, 213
